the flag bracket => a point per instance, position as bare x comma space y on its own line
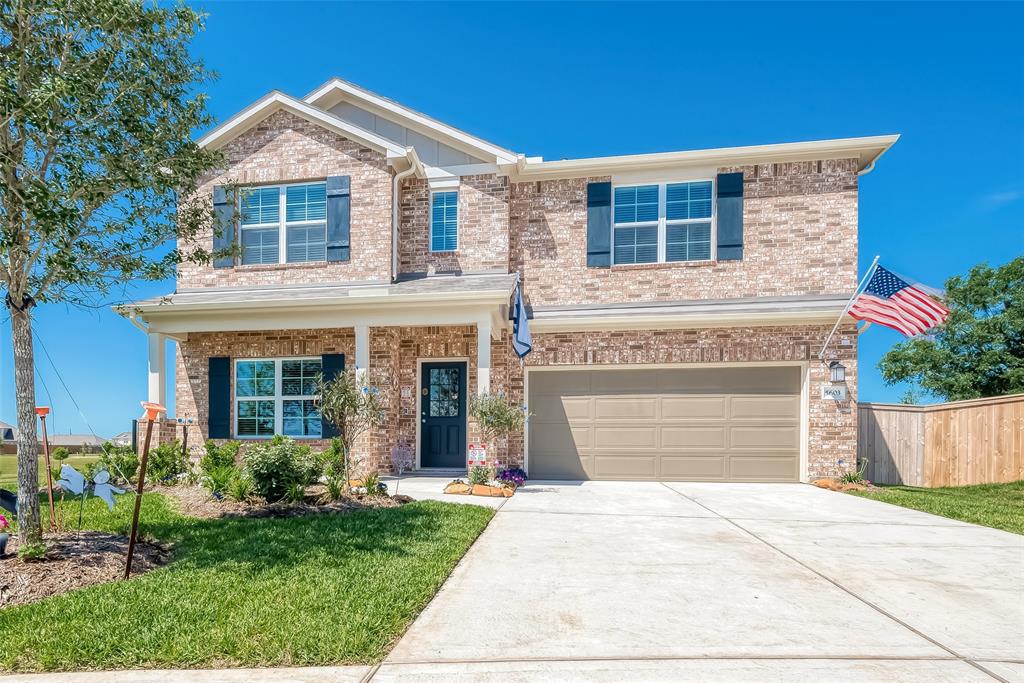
846, 309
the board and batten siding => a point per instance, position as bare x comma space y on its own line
980, 441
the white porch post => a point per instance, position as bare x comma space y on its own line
483, 356
362, 352
157, 368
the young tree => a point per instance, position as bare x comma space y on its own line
353, 407
98, 104
979, 351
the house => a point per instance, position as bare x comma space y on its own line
122, 439
678, 300
8, 432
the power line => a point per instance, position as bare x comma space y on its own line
70, 395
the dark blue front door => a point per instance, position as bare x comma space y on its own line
443, 415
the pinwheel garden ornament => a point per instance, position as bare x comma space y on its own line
74, 481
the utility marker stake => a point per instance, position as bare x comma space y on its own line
152, 411
42, 412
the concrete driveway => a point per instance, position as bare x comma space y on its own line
721, 582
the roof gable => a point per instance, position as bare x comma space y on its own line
337, 91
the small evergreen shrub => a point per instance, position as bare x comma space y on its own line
120, 461
216, 456
61, 454
480, 475
276, 465
220, 479
166, 463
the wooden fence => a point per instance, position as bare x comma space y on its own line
980, 441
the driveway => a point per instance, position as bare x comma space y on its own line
721, 582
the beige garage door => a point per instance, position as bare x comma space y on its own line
735, 424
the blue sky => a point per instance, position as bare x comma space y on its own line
578, 80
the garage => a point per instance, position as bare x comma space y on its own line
685, 424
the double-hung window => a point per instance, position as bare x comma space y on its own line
444, 221
662, 223
292, 215
276, 396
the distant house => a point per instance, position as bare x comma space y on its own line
122, 439
77, 443
7, 432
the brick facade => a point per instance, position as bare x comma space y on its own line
483, 227
800, 237
284, 149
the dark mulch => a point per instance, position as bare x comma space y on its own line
74, 561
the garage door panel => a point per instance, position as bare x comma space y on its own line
693, 467
625, 408
700, 424
625, 467
695, 437
763, 468
620, 436
764, 437
693, 407
764, 407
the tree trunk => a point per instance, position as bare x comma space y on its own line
30, 528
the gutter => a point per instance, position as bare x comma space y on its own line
415, 166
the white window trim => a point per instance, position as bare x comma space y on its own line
663, 222
278, 398
458, 220
282, 224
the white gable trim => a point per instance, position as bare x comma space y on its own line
337, 90
276, 101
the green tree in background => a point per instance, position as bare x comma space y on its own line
98, 102
979, 351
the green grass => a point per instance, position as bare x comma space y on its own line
9, 468
1000, 506
332, 589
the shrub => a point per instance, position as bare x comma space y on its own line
61, 453
480, 474
373, 485
512, 476
219, 479
295, 493
120, 461
166, 463
856, 477
32, 552
496, 417
274, 466
240, 487
335, 487
223, 455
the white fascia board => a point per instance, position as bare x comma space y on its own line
866, 150
411, 118
322, 317
275, 101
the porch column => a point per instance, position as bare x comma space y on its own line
483, 356
362, 352
157, 368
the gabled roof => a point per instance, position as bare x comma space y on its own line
337, 90
275, 101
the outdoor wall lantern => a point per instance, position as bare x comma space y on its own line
838, 371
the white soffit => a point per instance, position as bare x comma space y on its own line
337, 90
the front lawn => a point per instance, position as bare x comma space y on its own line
316, 590
9, 468
1000, 506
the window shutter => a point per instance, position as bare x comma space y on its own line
599, 225
331, 365
219, 409
730, 216
223, 226
339, 210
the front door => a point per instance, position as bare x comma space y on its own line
443, 415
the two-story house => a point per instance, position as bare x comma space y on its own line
678, 301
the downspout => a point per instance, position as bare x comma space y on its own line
414, 167
867, 169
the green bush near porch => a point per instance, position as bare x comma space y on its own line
317, 590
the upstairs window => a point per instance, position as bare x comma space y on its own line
662, 223
293, 215
444, 221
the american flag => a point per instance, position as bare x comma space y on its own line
892, 301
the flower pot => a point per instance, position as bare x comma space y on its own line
458, 488
490, 491
4, 537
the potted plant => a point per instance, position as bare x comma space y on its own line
496, 417
511, 477
4, 535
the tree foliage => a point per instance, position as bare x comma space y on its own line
979, 351
98, 170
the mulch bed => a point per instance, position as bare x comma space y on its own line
196, 501
73, 561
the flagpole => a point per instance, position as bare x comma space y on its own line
846, 309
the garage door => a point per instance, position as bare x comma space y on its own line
735, 424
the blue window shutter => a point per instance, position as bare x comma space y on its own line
599, 225
219, 409
331, 365
730, 216
339, 211
223, 226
